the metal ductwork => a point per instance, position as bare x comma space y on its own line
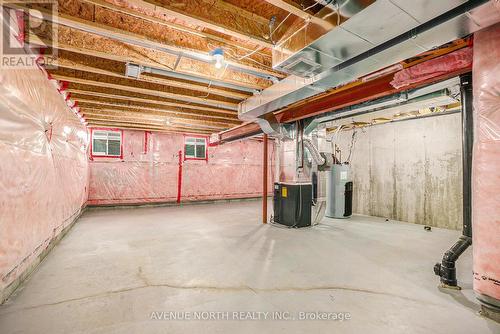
383, 33
315, 155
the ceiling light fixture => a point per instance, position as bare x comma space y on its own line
218, 55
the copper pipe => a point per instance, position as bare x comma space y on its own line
264, 180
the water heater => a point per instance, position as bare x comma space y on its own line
339, 192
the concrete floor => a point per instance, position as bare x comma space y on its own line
118, 266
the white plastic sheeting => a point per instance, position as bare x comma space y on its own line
150, 171
486, 164
43, 169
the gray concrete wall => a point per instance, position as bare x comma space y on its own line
409, 171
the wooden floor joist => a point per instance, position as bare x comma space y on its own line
156, 115
290, 7
136, 39
294, 9
179, 88
68, 64
213, 103
153, 121
84, 44
92, 103
163, 118
140, 121
133, 124
203, 14
181, 94
122, 96
142, 127
194, 33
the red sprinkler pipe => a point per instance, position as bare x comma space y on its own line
179, 178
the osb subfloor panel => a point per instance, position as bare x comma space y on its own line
117, 267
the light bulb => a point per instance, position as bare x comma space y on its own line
218, 56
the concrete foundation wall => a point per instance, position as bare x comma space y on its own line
409, 171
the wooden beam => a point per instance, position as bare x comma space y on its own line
157, 111
144, 128
111, 123
128, 37
112, 50
181, 94
290, 7
146, 122
76, 65
139, 127
134, 113
294, 9
121, 117
118, 113
202, 15
143, 41
98, 124
149, 101
185, 98
163, 22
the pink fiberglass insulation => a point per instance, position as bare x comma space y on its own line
486, 164
44, 169
456, 60
149, 171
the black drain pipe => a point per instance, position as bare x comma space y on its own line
446, 269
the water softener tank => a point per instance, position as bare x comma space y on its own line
339, 192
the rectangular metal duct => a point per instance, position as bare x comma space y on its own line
384, 33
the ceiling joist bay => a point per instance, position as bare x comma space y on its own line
140, 100
70, 60
86, 79
178, 87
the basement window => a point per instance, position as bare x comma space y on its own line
195, 148
106, 143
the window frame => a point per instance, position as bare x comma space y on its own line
205, 138
92, 155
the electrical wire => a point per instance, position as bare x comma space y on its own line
272, 31
311, 6
249, 54
336, 11
353, 141
232, 55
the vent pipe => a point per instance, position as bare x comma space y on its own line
446, 269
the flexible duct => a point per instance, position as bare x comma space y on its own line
317, 157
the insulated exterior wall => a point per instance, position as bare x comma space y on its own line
408, 171
44, 169
149, 171
486, 165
